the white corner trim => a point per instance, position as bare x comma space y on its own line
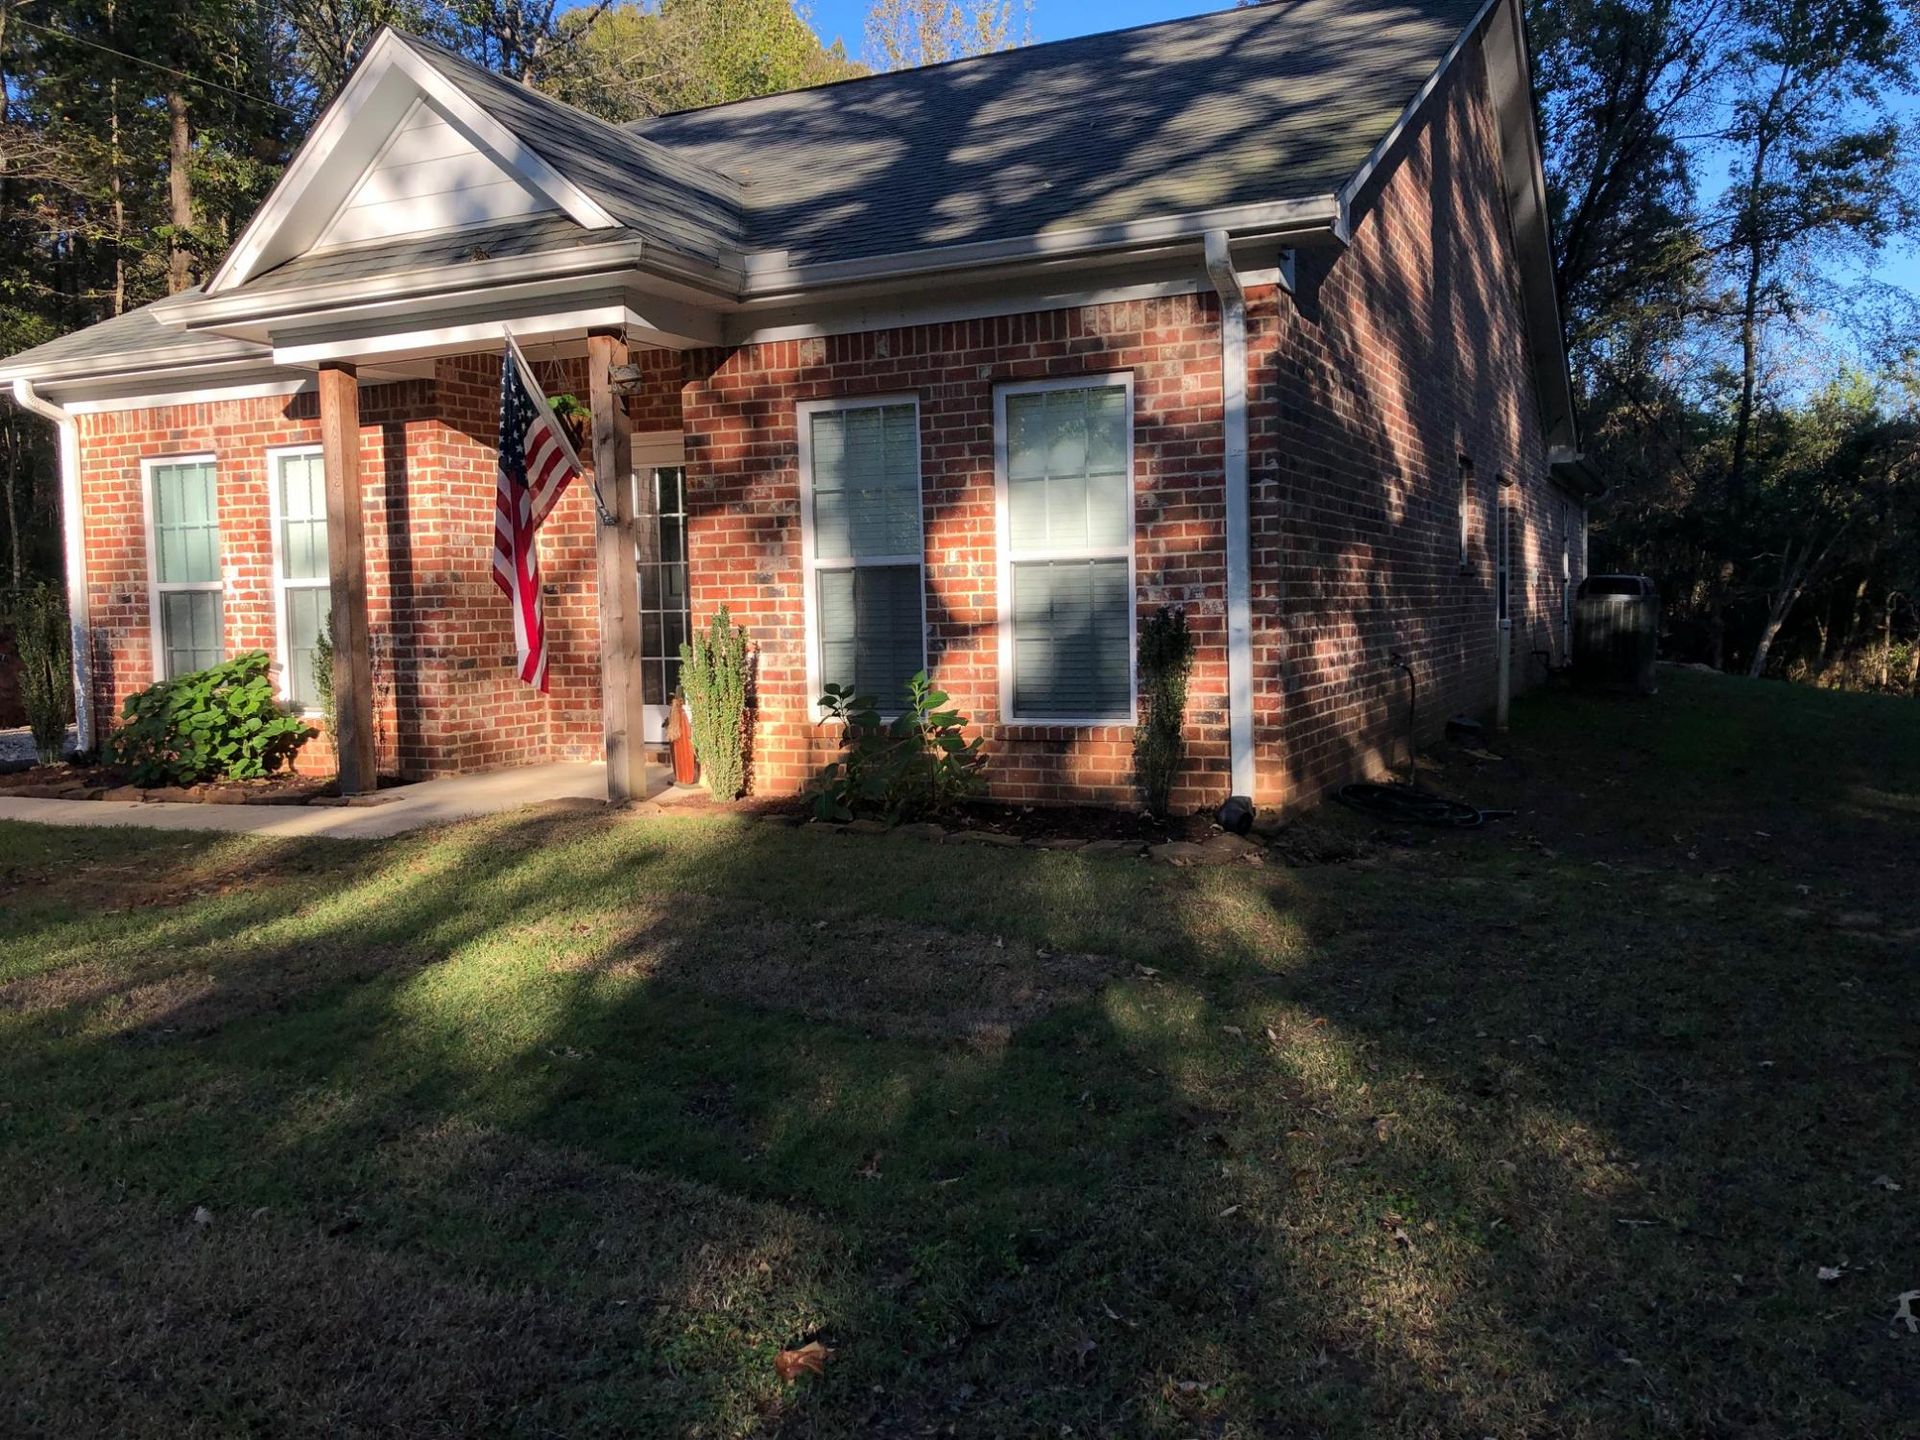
803, 413
1233, 424
1003, 550
74, 542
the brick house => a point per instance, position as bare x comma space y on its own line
968, 367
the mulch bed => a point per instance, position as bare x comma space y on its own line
103, 782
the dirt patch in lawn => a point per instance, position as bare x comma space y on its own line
884, 976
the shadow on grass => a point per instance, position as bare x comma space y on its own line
547, 1123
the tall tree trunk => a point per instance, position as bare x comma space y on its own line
179, 193
117, 187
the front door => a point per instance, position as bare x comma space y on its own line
663, 597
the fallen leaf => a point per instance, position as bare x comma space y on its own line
1905, 1312
1887, 1183
1829, 1272
202, 1215
810, 1358
1083, 1348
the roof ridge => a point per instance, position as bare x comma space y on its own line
1233, 11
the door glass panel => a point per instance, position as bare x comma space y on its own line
663, 590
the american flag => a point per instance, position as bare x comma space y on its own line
536, 466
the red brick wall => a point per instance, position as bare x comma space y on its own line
1394, 358
1393, 361
447, 698
744, 538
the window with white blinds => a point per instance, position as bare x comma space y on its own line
1066, 496
301, 591
183, 517
865, 543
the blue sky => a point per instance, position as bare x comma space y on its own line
1052, 19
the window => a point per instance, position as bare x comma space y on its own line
1466, 513
183, 519
1066, 544
864, 541
663, 588
304, 601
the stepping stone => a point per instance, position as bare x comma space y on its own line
1056, 842
1111, 847
926, 830
982, 837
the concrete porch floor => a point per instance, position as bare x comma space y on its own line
401, 809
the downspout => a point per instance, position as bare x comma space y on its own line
1233, 424
74, 535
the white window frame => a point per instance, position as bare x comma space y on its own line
155, 588
1005, 558
283, 650
804, 412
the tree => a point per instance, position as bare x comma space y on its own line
632, 60
904, 34
1817, 164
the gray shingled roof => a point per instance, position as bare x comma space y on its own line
1280, 101
1275, 102
661, 194
138, 335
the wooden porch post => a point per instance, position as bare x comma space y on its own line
347, 572
632, 539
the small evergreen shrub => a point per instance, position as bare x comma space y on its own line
920, 764
1165, 664
323, 678
45, 644
713, 672
223, 722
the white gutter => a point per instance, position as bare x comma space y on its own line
80, 630
1233, 404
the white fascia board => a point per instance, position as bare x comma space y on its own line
225, 312
201, 394
769, 275
647, 320
373, 102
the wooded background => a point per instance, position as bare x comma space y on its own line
1733, 195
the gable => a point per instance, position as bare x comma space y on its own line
430, 177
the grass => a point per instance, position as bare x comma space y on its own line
560, 1124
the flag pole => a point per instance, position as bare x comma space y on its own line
535, 389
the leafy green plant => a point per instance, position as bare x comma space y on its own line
713, 672
1165, 664
223, 722
45, 645
920, 763
323, 678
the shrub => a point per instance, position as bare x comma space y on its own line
45, 644
919, 764
220, 723
323, 679
1166, 663
713, 672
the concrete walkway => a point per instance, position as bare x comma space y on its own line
401, 809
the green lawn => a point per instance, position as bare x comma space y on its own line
557, 1124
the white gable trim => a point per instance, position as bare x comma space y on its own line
403, 192
352, 133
